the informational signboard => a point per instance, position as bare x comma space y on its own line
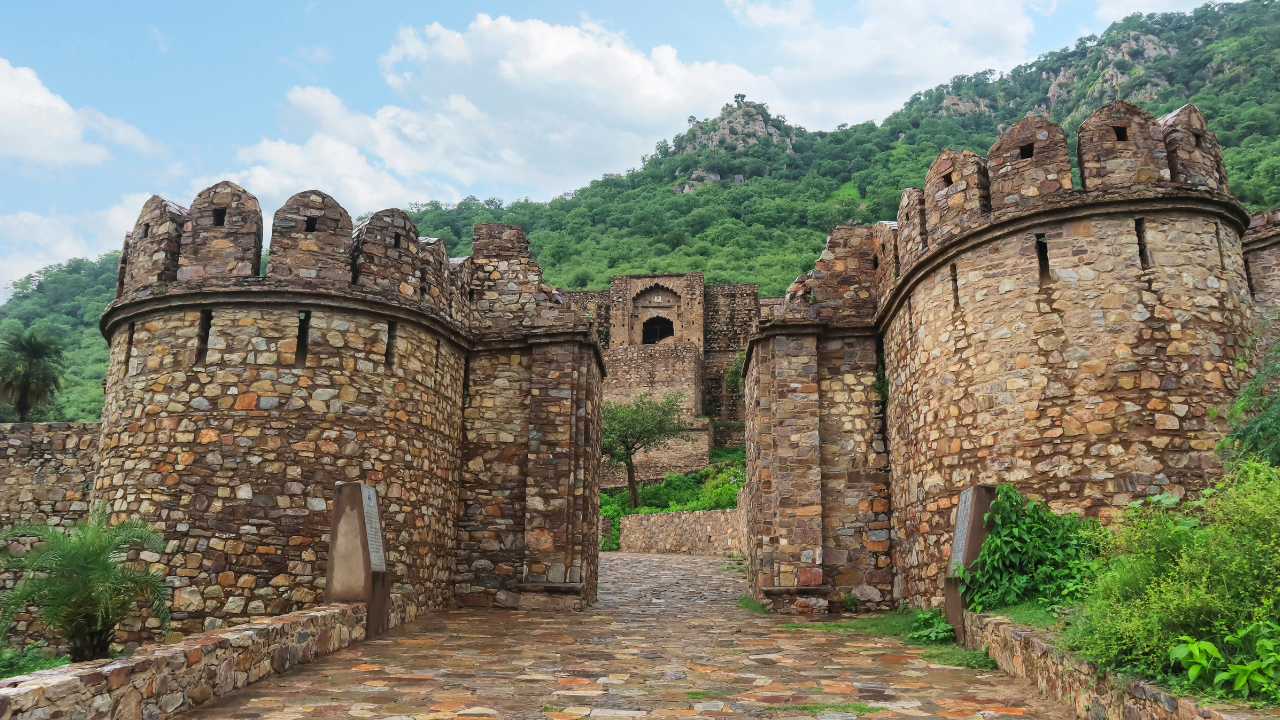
373, 528
961, 541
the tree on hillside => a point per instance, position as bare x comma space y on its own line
81, 581
639, 426
30, 369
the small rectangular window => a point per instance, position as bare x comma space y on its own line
1122, 133
304, 334
202, 345
397, 240
1042, 258
146, 229
128, 353
875, 262
219, 217
311, 224
389, 359
924, 233
1248, 277
1026, 151
1140, 229
948, 179
955, 288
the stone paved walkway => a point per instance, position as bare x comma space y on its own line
665, 642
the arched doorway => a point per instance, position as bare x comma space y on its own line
657, 329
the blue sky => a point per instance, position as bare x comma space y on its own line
382, 104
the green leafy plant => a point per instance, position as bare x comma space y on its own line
733, 376
81, 581
930, 626
1031, 553
28, 660
1247, 667
1177, 573
746, 602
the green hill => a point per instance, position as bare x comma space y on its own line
683, 209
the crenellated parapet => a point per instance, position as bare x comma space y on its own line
1028, 161
957, 195
150, 254
1194, 157
237, 400
1120, 145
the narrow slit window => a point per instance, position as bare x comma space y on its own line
128, 352
389, 359
875, 262
397, 241
1222, 256
924, 234
955, 288
202, 345
1042, 258
219, 217
1140, 229
1248, 277
304, 334
466, 377
355, 268
146, 229
311, 224
1026, 151
1122, 133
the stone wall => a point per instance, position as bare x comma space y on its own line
169, 680
47, 471
700, 532
1022, 652
1262, 262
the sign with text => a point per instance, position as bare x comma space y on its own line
373, 528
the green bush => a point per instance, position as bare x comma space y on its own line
1206, 569
931, 627
14, 662
1031, 554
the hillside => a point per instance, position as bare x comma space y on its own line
748, 197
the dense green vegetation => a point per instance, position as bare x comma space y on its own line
65, 301
711, 488
1223, 57
768, 229
14, 661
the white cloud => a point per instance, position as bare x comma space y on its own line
764, 14
526, 106
30, 241
37, 125
1111, 10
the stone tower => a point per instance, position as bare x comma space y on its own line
1070, 341
463, 390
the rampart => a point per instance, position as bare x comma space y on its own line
1070, 341
466, 392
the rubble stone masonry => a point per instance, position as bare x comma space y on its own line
1068, 341
698, 532
466, 392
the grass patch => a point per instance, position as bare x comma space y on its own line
959, 657
897, 622
746, 602
853, 707
731, 453
27, 660
1030, 613
551, 708
704, 694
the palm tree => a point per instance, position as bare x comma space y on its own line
81, 582
30, 369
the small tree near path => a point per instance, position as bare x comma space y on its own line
639, 426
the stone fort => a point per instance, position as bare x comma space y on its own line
1009, 327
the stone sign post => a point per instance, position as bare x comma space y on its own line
357, 569
971, 532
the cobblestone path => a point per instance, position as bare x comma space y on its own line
665, 642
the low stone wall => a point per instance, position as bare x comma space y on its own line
161, 682
729, 435
700, 532
1026, 653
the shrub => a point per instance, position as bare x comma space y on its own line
1205, 569
29, 659
931, 627
81, 581
711, 488
1031, 554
